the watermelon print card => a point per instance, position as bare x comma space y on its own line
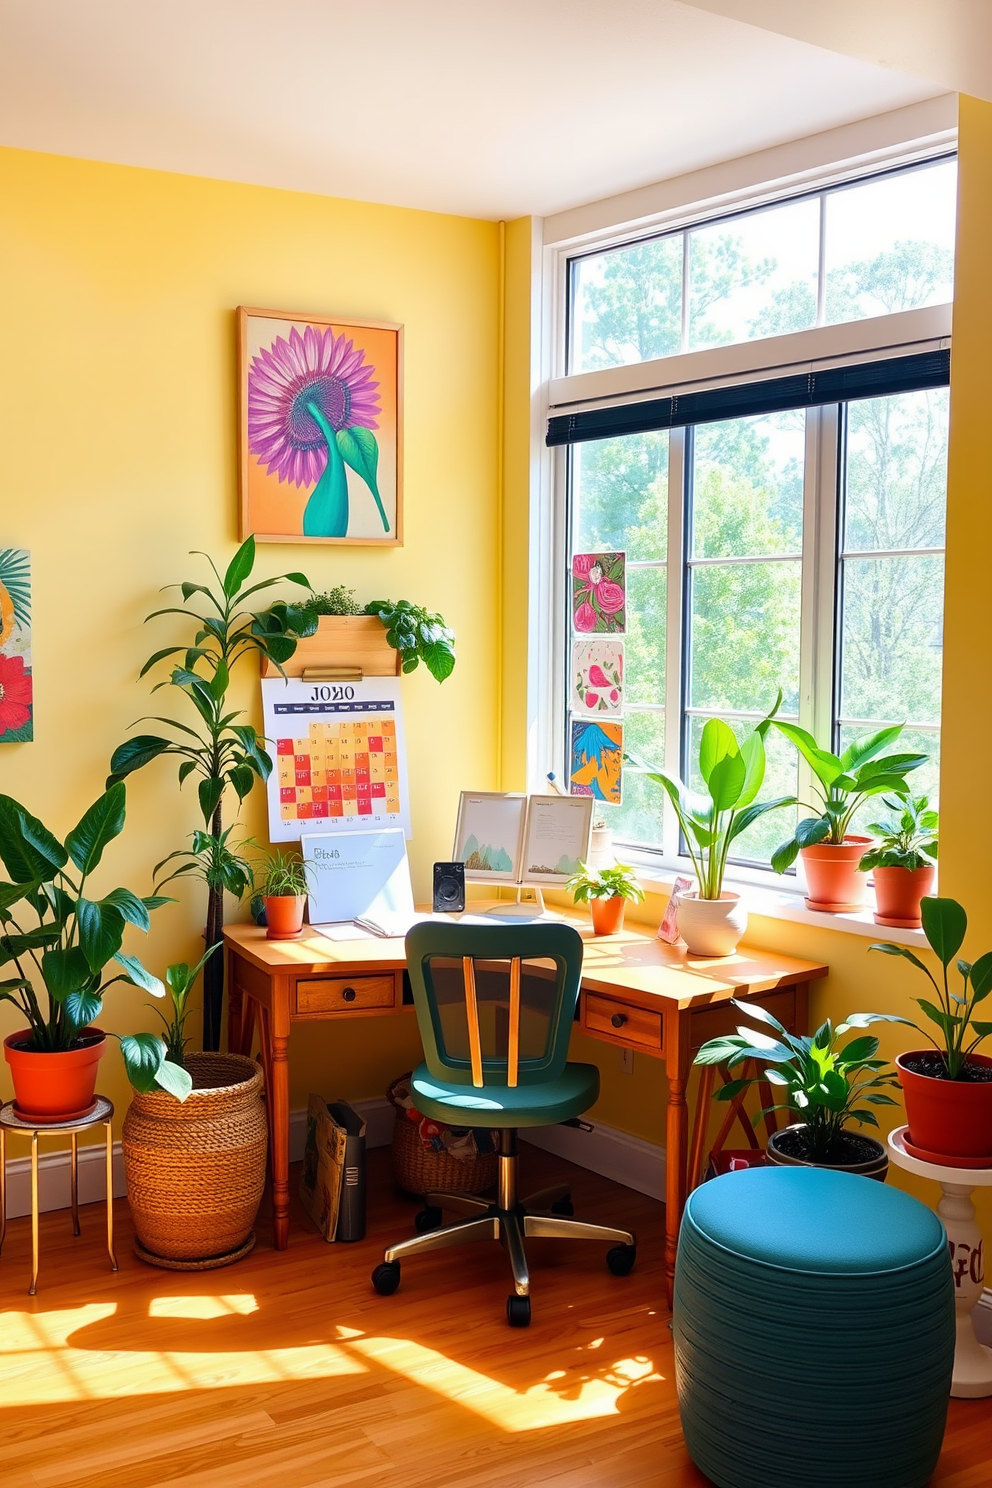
596, 760
599, 593
597, 676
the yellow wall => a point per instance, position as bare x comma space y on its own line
117, 425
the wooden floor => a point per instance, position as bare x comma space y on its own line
287, 1371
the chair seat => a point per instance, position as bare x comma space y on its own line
551, 1101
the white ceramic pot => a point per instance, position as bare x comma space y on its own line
711, 927
601, 848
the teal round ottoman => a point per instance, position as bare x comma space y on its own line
814, 1331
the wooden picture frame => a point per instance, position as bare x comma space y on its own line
324, 471
490, 824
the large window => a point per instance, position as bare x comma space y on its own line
769, 547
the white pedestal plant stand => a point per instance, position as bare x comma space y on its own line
972, 1377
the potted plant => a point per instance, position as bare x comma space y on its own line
830, 852
711, 921
824, 1086
282, 883
412, 631
63, 954
195, 1166
606, 891
902, 861
948, 1089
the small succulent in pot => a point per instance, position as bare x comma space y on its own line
606, 890
902, 861
825, 1086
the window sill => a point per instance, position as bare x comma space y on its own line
783, 904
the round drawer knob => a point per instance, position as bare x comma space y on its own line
618, 1020
349, 994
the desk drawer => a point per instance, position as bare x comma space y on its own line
345, 994
630, 1025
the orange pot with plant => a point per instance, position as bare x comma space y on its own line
281, 881
831, 853
902, 863
606, 891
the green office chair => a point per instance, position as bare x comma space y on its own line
495, 1006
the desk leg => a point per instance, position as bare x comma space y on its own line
278, 1027
110, 1196
3, 1187
676, 1035
74, 1183
32, 1289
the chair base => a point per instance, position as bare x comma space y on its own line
508, 1220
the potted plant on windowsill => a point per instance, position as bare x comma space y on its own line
902, 862
62, 958
710, 920
824, 1086
948, 1089
281, 882
606, 890
830, 852
195, 1165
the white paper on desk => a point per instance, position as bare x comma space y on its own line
358, 875
348, 931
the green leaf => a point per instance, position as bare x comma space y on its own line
732, 1088
753, 752
360, 450
209, 792
133, 909
27, 847
743, 819
12, 893
137, 974
242, 778
101, 930
99, 825
133, 754
144, 1054
812, 829
825, 766
981, 977
862, 750
761, 1015
65, 972
83, 1006
783, 857
944, 925
239, 567
896, 950
946, 1021
858, 1049
174, 1079
439, 659
727, 779
716, 742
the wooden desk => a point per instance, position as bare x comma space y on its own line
637, 993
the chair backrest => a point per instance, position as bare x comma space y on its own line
495, 1004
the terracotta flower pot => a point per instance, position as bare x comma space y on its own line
833, 883
874, 1166
59, 1086
950, 1118
607, 914
898, 892
711, 927
284, 916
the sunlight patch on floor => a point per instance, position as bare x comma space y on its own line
239, 1304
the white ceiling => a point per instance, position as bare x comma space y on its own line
490, 108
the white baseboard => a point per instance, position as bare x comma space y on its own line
613, 1153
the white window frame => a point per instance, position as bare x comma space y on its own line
819, 347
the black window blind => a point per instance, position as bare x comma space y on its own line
876, 379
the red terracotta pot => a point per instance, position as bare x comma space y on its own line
284, 916
949, 1117
54, 1087
898, 892
833, 883
607, 914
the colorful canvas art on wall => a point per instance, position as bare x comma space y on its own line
320, 428
596, 760
597, 676
16, 687
599, 593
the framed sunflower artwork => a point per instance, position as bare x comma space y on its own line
16, 695
320, 428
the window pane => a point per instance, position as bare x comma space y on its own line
638, 820
757, 844
754, 275
890, 244
626, 305
747, 495
644, 652
896, 489
745, 636
620, 496
892, 638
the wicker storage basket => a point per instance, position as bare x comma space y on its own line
196, 1169
419, 1169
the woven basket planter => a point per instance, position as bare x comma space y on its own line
419, 1169
196, 1169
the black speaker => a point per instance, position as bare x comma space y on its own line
449, 888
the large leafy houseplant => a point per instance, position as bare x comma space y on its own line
219, 750
824, 1085
62, 942
416, 633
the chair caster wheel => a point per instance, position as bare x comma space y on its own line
621, 1259
386, 1278
517, 1311
564, 1207
428, 1219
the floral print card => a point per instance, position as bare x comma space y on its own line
16, 685
599, 593
596, 760
597, 676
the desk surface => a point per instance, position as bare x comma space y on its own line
644, 968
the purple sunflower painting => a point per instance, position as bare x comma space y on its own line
320, 428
